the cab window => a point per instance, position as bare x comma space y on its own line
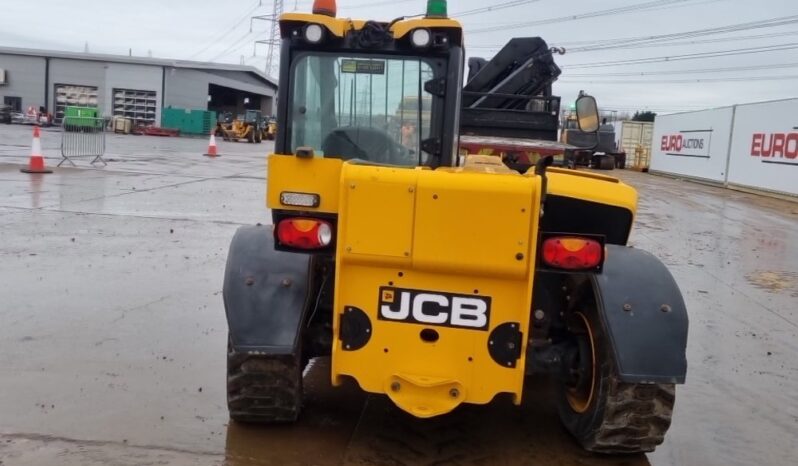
366, 107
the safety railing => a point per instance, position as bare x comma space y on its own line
82, 137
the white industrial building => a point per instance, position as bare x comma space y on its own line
134, 87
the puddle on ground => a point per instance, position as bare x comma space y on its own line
775, 281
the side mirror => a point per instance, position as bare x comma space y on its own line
587, 115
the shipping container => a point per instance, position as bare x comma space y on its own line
693, 144
753, 146
188, 121
634, 138
764, 147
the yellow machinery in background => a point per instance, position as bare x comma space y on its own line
432, 278
247, 127
270, 130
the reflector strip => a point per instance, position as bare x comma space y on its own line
299, 199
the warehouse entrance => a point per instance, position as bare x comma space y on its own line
226, 100
69, 95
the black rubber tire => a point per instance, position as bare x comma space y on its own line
622, 417
619, 159
263, 389
606, 162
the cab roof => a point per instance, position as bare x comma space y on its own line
339, 27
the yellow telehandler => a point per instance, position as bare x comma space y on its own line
431, 278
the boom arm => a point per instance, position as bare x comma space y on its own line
510, 95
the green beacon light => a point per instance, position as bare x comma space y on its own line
436, 8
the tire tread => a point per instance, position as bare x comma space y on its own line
264, 389
636, 418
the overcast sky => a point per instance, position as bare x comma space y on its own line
220, 31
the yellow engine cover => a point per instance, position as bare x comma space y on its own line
441, 263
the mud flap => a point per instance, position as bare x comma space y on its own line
643, 313
265, 293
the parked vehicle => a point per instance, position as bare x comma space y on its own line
602, 153
247, 127
5, 114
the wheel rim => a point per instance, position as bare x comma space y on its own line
580, 395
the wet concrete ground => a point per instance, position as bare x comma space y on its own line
112, 331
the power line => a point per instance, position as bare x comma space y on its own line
500, 6
764, 23
704, 41
232, 47
689, 56
675, 72
666, 39
487, 9
620, 43
227, 32
661, 44
657, 4
686, 81
346, 6
655, 109
615, 108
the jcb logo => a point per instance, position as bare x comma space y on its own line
431, 307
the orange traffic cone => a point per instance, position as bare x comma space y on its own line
36, 163
212, 147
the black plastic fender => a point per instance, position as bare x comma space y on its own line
265, 293
643, 313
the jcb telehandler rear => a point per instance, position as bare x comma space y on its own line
433, 282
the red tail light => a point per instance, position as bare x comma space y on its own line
572, 253
304, 233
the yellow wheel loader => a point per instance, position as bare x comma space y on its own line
432, 280
246, 127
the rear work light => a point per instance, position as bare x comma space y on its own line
314, 33
304, 233
572, 253
421, 37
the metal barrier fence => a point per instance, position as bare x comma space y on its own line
82, 137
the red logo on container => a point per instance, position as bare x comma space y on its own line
671, 143
677, 142
775, 145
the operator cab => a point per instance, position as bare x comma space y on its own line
252, 116
372, 92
